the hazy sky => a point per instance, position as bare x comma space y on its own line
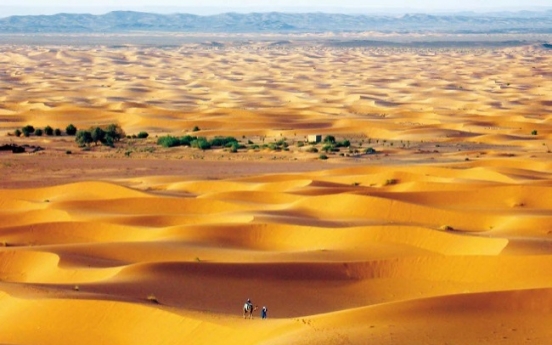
9, 7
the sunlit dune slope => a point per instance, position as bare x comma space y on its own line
433, 227
332, 259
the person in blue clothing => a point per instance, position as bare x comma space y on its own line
263, 312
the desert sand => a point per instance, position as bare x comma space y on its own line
441, 237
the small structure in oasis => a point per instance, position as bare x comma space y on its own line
314, 138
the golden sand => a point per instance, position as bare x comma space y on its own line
443, 237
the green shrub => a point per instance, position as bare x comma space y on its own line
98, 135
168, 141
108, 141
71, 130
27, 130
344, 143
201, 143
57, 132
83, 138
223, 141
370, 151
17, 133
39, 132
143, 135
196, 129
329, 139
534, 132
323, 157
234, 147
187, 140
115, 132
48, 131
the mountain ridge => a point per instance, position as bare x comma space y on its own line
131, 21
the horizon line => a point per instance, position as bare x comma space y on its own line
214, 10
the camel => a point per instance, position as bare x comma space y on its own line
248, 310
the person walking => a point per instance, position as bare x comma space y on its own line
263, 312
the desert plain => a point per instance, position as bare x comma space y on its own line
443, 235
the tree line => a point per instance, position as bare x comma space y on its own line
107, 135
200, 142
29, 130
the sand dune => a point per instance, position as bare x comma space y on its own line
440, 237
184, 263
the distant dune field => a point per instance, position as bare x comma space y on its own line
441, 236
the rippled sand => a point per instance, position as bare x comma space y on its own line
441, 237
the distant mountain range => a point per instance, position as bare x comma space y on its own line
129, 21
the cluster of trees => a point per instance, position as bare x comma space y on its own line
330, 140
200, 142
28, 130
330, 144
106, 135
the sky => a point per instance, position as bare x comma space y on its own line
11, 7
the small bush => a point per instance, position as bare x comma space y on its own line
328, 148
196, 129
38, 132
68, 152
17, 133
48, 131
329, 139
370, 151
143, 135
534, 132
71, 130
57, 132
323, 157
223, 141
234, 148
344, 143
201, 143
168, 141
187, 140
27, 130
